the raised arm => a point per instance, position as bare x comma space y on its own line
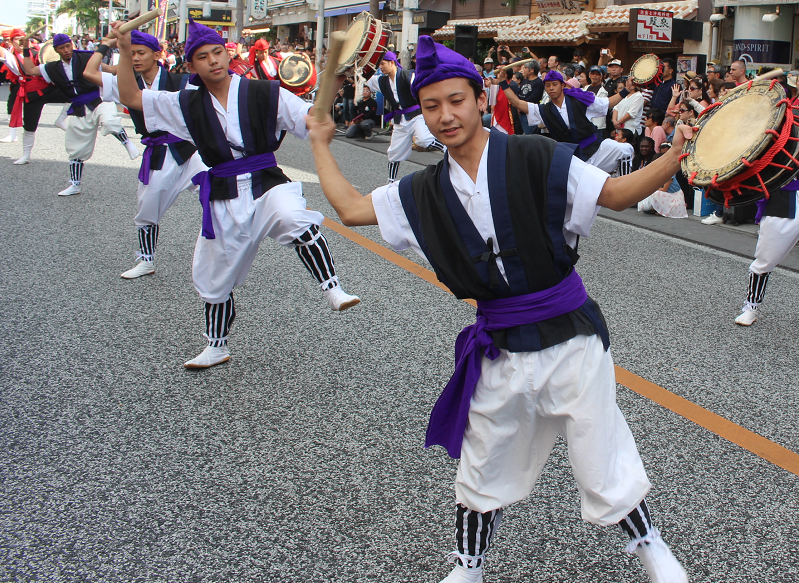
129, 92
623, 192
352, 207
93, 71
27, 62
513, 99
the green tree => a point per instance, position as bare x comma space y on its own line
33, 23
86, 12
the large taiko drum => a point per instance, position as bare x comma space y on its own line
365, 45
746, 146
47, 54
647, 71
297, 74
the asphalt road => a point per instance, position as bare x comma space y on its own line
302, 459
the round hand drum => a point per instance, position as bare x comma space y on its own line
297, 74
367, 42
745, 146
47, 53
647, 71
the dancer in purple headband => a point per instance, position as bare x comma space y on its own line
88, 112
403, 110
536, 362
169, 163
236, 124
567, 116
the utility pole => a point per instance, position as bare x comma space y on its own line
239, 21
182, 9
320, 33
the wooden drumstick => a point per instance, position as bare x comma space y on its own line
516, 64
327, 84
35, 32
770, 75
143, 19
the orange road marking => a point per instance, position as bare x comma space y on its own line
748, 440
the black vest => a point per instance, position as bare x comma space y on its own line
181, 151
403, 81
781, 204
258, 103
580, 127
528, 205
79, 84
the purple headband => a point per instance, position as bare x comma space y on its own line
584, 97
61, 39
554, 76
435, 62
146, 40
389, 56
200, 35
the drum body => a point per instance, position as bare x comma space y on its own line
647, 71
297, 74
366, 43
746, 146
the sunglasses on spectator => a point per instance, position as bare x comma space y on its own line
684, 110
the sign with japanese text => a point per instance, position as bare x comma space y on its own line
651, 25
557, 6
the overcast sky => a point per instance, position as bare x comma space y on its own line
13, 12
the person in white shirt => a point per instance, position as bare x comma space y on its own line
535, 363
627, 114
236, 124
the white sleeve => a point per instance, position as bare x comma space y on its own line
291, 112
11, 63
394, 226
162, 113
636, 107
598, 108
582, 192
534, 115
373, 84
110, 90
45, 76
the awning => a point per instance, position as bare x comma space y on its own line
357, 9
486, 27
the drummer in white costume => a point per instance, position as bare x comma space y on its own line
236, 124
408, 123
88, 112
568, 116
169, 163
536, 362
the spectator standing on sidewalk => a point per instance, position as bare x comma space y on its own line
349, 100
661, 96
531, 90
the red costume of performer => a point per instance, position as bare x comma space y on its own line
266, 68
26, 84
502, 118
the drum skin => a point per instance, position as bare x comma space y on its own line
366, 43
47, 53
297, 74
647, 70
742, 128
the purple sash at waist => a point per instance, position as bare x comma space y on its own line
147, 157
83, 99
451, 411
587, 141
227, 170
400, 112
793, 185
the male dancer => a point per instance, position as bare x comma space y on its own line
169, 163
264, 66
395, 85
31, 96
237, 124
506, 239
568, 116
779, 233
12, 74
88, 111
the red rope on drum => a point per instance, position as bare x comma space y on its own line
755, 168
691, 178
709, 107
771, 86
683, 157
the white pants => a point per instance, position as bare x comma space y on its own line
240, 224
402, 138
82, 131
776, 239
165, 185
522, 402
608, 155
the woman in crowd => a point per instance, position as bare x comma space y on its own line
627, 113
713, 90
